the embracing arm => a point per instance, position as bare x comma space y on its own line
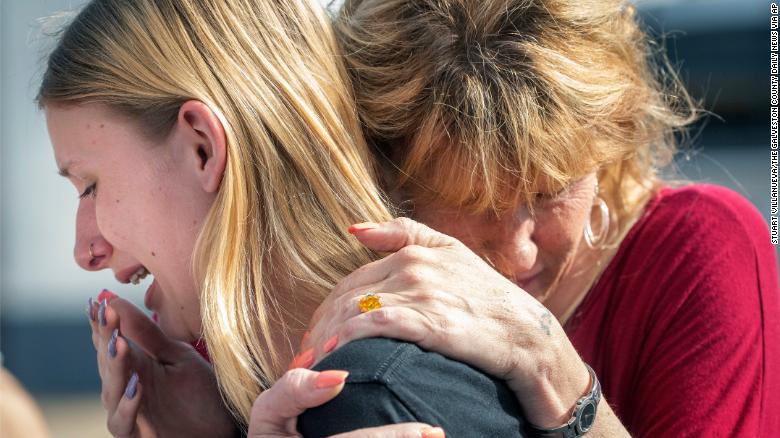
429, 298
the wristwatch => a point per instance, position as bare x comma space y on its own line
582, 418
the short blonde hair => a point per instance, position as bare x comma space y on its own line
298, 171
473, 102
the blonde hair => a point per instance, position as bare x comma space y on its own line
475, 103
297, 173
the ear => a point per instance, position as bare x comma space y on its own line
205, 141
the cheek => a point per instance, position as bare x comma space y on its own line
561, 228
111, 222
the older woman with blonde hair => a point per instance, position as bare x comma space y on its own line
535, 132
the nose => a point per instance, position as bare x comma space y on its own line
92, 252
514, 251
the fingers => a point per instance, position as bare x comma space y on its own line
406, 430
396, 322
117, 365
135, 325
400, 232
275, 410
123, 421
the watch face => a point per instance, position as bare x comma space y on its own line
586, 417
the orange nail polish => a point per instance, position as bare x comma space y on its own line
329, 379
362, 227
433, 432
306, 359
294, 362
331, 344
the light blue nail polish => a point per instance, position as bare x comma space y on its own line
112, 343
102, 313
131, 386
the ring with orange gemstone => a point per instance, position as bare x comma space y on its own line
369, 302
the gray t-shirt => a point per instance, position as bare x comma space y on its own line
396, 382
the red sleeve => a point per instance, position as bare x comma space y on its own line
708, 355
704, 371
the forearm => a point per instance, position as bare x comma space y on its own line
607, 424
549, 395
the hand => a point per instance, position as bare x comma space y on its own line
175, 391
438, 294
275, 411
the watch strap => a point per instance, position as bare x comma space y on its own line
573, 428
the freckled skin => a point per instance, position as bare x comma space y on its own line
518, 245
158, 190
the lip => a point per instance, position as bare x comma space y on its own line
124, 275
524, 280
149, 295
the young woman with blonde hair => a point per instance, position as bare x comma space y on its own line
214, 144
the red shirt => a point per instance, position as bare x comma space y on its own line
683, 327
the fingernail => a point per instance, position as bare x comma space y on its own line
90, 306
131, 386
329, 379
331, 344
356, 228
106, 295
306, 359
102, 313
432, 432
112, 343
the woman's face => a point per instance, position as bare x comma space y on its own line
536, 253
141, 206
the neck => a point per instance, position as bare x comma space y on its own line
585, 270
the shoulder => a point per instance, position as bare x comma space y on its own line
701, 222
392, 381
412, 372
708, 252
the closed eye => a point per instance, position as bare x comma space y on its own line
89, 191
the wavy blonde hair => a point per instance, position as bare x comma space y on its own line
475, 103
297, 172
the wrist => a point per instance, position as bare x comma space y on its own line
548, 397
581, 419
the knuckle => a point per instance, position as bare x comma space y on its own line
294, 381
412, 254
348, 330
380, 316
404, 222
411, 276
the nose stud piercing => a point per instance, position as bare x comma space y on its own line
91, 255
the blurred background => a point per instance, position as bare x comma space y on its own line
720, 47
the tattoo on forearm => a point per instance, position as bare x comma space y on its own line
545, 321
